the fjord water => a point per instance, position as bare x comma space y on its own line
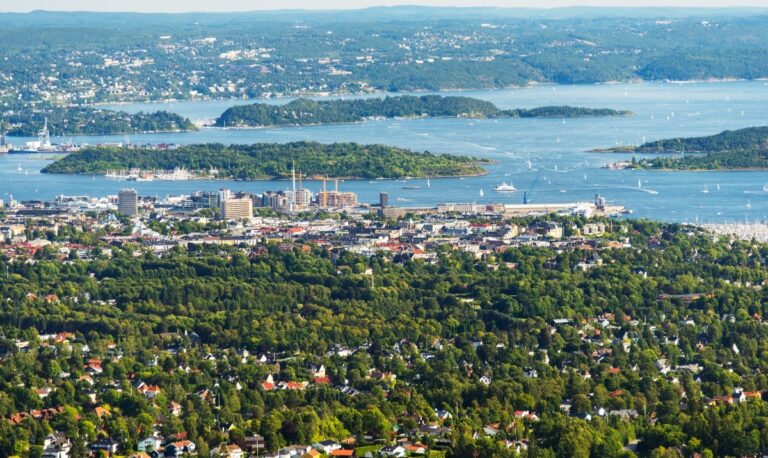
560, 168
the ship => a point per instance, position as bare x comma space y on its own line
43, 144
504, 187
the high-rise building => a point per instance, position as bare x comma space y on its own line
383, 199
128, 202
237, 208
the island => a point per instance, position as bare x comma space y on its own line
742, 149
273, 161
303, 111
91, 121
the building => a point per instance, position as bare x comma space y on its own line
336, 199
237, 208
383, 199
128, 202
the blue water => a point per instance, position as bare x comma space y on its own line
561, 169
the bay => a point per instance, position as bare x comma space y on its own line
560, 169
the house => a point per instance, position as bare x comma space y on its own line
108, 445
491, 429
232, 451
443, 415
175, 408
139, 455
392, 450
253, 443
179, 448
326, 446
149, 443
343, 452
416, 449
56, 445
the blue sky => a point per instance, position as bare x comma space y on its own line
250, 5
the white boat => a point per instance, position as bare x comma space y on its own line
428, 183
504, 187
705, 190
481, 193
639, 184
765, 187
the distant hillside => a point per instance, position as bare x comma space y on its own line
304, 111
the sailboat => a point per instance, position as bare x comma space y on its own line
481, 193
705, 190
428, 183
19, 169
765, 187
530, 166
718, 186
639, 184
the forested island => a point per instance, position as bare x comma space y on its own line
274, 160
729, 150
91, 121
304, 111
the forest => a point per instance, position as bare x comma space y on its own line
304, 111
274, 160
667, 335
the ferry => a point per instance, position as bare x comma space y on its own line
504, 187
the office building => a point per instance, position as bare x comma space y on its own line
237, 208
128, 202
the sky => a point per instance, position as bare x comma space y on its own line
252, 5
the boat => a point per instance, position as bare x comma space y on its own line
411, 187
43, 144
504, 187
705, 190
765, 187
481, 193
428, 183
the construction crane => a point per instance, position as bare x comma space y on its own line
528, 193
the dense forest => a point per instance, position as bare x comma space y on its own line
661, 334
273, 160
91, 121
308, 112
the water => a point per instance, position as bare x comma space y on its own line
560, 171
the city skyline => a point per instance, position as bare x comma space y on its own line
178, 6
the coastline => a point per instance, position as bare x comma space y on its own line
380, 92
287, 178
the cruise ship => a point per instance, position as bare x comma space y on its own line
43, 145
504, 187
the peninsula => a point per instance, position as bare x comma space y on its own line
91, 121
274, 161
302, 111
742, 149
